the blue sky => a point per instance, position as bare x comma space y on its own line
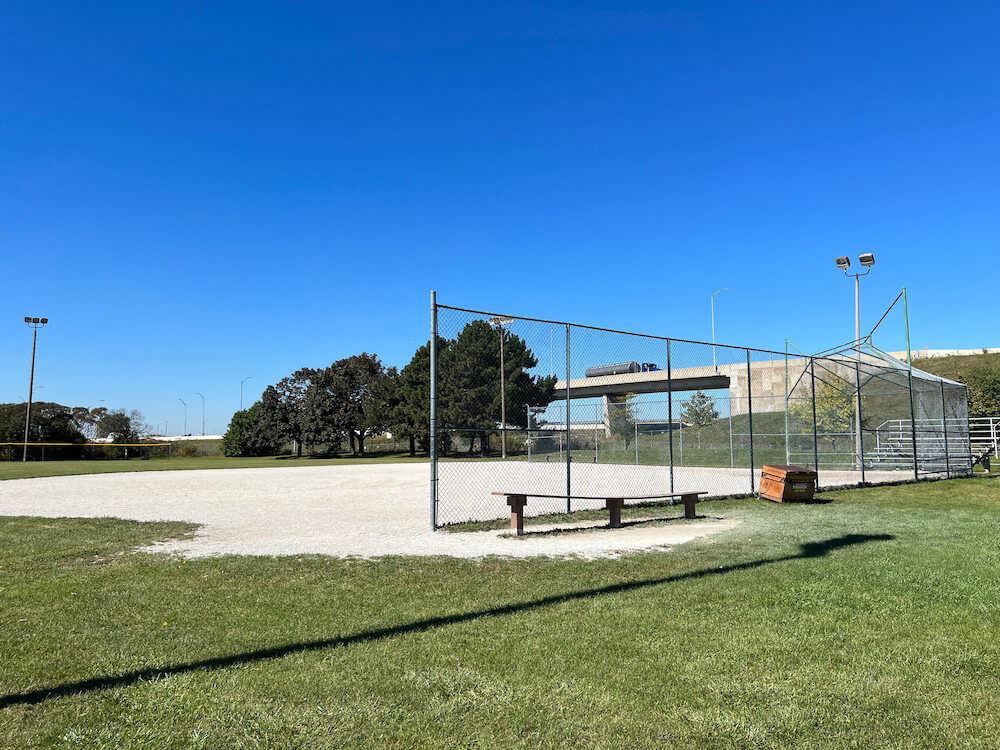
198, 192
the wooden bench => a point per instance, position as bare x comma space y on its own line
517, 501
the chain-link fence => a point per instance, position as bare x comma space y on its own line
570, 414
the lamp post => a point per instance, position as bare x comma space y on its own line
844, 263
185, 431
241, 390
34, 323
499, 322
714, 365
202, 413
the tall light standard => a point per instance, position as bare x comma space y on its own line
202, 413
241, 390
34, 323
185, 432
714, 365
844, 263
499, 322
94, 423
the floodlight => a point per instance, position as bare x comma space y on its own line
44, 321
868, 259
27, 319
35, 320
843, 262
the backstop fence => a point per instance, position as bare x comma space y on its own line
572, 412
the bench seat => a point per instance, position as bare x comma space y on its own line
614, 504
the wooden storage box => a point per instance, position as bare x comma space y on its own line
780, 483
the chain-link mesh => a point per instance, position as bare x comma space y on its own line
570, 415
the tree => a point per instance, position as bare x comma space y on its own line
699, 410
835, 406
245, 438
983, 385
50, 423
122, 426
411, 417
470, 381
282, 411
622, 418
350, 382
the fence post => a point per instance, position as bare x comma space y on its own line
812, 377
753, 487
788, 452
861, 439
909, 380
670, 417
569, 458
434, 411
944, 427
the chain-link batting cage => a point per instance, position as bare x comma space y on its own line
569, 414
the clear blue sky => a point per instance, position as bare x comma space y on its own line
197, 192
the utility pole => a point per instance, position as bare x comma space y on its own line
34, 323
185, 432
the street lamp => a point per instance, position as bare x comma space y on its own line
202, 413
34, 323
844, 263
714, 365
185, 432
499, 322
241, 390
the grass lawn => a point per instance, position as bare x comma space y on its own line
869, 621
19, 470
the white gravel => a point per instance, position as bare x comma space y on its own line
365, 511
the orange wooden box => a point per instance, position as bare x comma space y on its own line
780, 483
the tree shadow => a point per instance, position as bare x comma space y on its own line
32, 697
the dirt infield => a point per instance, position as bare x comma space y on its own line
365, 511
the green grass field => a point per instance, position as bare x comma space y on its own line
868, 621
19, 470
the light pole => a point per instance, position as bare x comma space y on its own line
241, 390
34, 323
499, 322
99, 401
714, 365
185, 432
202, 413
843, 262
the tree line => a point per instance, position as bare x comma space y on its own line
358, 397
52, 422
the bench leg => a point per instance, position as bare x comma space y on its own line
689, 501
614, 505
517, 503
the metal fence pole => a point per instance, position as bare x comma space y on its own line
861, 442
909, 380
944, 427
434, 411
569, 458
788, 452
670, 417
753, 487
812, 377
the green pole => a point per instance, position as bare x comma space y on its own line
788, 458
909, 381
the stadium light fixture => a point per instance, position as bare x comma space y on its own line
867, 260
34, 323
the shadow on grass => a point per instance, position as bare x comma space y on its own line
809, 550
606, 526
